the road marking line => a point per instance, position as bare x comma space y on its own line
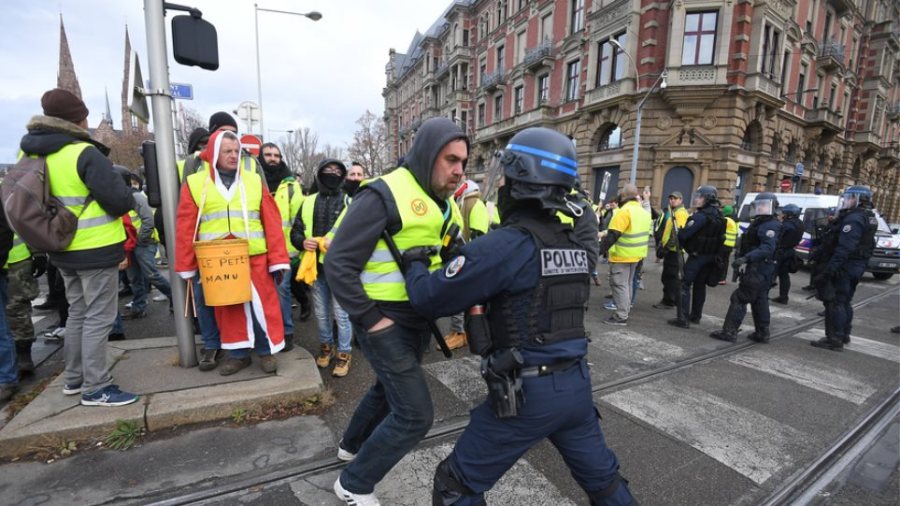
862, 345
462, 377
836, 381
744, 440
637, 347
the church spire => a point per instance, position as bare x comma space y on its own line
65, 76
107, 116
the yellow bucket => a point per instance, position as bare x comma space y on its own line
224, 271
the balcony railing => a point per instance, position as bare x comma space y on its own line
831, 55
824, 117
539, 56
441, 70
890, 150
459, 52
491, 80
540, 116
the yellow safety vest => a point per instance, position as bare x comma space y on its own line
220, 218
731, 232
18, 252
478, 217
289, 199
136, 222
96, 228
681, 218
421, 222
634, 224
306, 212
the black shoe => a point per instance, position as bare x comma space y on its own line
233, 365
694, 319
125, 291
679, 323
209, 359
724, 335
759, 336
828, 344
47, 305
135, 315
896, 330
808, 288
305, 313
780, 300
288, 342
663, 305
116, 336
821, 313
615, 320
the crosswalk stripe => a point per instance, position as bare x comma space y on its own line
782, 312
462, 377
862, 345
836, 381
744, 440
36, 319
637, 347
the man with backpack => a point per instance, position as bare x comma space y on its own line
82, 182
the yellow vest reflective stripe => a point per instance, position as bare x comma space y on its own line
289, 202
421, 224
220, 218
96, 228
633, 242
681, 217
18, 252
731, 232
137, 222
306, 212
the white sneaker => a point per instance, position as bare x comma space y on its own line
56, 334
344, 455
160, 298
354, 499
128, 305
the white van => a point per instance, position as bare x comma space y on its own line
885, 261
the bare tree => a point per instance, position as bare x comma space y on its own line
369, 146
329, 151
188, 120
300, 151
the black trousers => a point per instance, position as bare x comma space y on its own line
671, 285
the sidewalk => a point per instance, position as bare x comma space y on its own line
170, 395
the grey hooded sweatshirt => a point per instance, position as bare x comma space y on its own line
366, 218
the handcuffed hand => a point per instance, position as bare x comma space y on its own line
421, 254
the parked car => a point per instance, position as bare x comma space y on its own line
885, 261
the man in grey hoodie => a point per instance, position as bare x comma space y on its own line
413, 204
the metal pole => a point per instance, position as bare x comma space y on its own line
258, 75
154, 17
637, 142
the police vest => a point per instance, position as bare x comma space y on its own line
731, 232
866, 245
289, 199
708, 239
422, 223
553, 310
633, 241
18, 253
239, 216
791, 234
750, 240
96, 228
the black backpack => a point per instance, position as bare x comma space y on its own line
40, 219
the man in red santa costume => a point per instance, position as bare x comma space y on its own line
234, 205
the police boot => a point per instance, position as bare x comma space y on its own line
829, 343
616, 492
447, 488
23, 358
726, 334
760, 335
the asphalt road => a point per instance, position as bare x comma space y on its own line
728, 430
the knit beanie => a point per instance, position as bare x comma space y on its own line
199, 135
62, 104
220, 119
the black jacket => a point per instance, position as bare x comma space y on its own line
47, 135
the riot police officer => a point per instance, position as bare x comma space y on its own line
847, 251
701, 237
791, 234
757, 252
532, 276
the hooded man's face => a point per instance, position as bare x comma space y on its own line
229, 154
271, 156
449, 168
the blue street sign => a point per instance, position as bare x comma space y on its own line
798, 169
182, 91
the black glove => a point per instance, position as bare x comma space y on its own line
38, 265
739, 262
421, 254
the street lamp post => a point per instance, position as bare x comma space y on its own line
661, 83
313, 15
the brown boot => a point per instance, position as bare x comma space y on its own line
233, 365
341, 364
455, 340
326, 353
268, 363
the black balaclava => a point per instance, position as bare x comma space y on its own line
350, 186
330, 183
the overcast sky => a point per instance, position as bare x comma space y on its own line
322, 75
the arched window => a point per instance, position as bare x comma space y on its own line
611, 138
752, 140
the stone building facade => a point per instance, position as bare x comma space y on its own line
752, 89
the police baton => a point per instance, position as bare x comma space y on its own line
395, 252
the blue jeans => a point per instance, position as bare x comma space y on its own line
325, 307
396, 411
9, 374
145, 260
139, 287
286, 298
260, 344
118, 327
206, 317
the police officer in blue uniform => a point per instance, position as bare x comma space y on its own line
847, 249
531, 280
791, 235
757, 252
702, 237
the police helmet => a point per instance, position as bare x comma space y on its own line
791, 211
539, 164
704, 195
855, 195
765, 204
